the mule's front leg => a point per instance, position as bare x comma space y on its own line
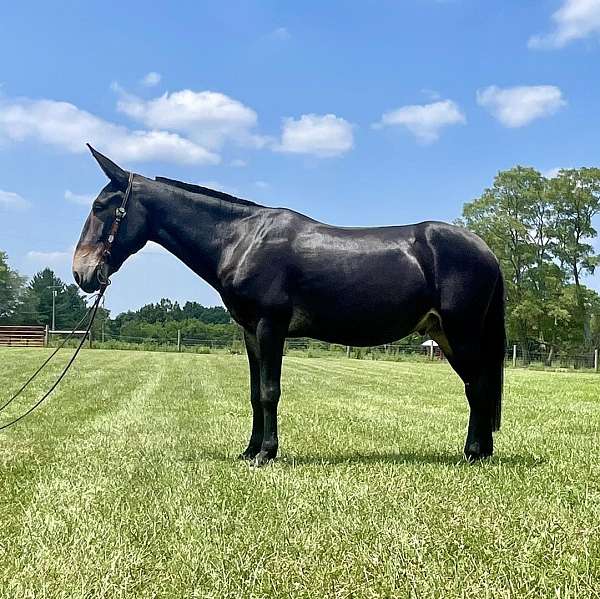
256, 436
270, 335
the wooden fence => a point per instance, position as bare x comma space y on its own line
22, 336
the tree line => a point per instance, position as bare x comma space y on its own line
30, 302
164, 319
540, 228
25, 302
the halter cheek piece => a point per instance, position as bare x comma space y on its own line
103, 266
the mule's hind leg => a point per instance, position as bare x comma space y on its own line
481, 386
482, 378
479, 390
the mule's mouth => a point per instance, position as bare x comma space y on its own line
88, 282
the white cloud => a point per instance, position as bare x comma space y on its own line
261, 184
209, 118
12, 201
518, 106
239, 163
424, 121
161, 145
552, 172
66, 126
83, 199
321, 135
280, 33
151, 79
575, 19
52, 258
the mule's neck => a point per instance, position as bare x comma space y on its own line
194, 227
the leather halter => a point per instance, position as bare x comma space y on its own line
103, 266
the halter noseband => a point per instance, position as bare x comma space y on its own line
103, 266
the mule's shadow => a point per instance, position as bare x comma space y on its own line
407, 457
400, 457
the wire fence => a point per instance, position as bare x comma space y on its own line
578, 359
582, 360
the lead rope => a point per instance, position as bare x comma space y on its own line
103, 278
34, 375
93, 310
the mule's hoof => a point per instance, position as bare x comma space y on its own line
248, 455
475, 453
262, 458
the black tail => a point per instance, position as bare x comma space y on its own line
495, 344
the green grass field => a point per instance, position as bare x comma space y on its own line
125, 484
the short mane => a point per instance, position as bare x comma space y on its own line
213, 193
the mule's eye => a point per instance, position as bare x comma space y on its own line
96, 207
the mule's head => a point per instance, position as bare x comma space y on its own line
131, 236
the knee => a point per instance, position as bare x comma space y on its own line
269, 395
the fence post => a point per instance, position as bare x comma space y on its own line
178, 340
596, 360
102, 331
90, 339
514, 356
47, 336
347, 351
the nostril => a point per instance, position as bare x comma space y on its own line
76, 277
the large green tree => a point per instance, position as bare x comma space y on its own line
575, 195
511, 216
540, 229
69, 306
11, 291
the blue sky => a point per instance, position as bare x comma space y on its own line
356, 113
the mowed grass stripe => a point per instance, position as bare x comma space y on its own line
139, 494
76, 445
384, 399
36, 443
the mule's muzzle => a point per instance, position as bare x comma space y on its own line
86, 262
87, 281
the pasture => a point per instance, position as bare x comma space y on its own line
125, 483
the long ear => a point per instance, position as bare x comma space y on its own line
114, 172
